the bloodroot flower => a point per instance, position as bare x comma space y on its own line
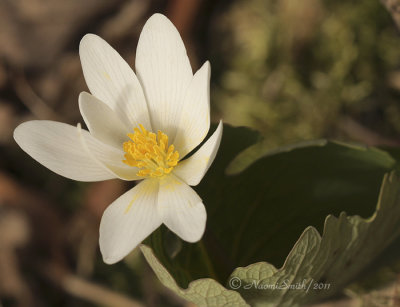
141, 127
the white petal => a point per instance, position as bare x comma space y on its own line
193, 169
113, 81
195, 117
57, 147
110, 158
164, 70
102, 122
128, 221
181, 209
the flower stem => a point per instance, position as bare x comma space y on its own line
207, 260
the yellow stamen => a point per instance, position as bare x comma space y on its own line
150, 153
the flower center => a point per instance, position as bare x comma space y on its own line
150, 153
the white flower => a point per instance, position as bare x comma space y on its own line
164, 97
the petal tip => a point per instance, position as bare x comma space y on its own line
196, 238
88, 37
108, 256
207, 67
158, 22
17, 135
83, 94
158, 17
109, 261
84, 98
87, 42
107, 252
22, 130
17, 131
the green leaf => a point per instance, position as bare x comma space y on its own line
324, 265
203, 292
257, 215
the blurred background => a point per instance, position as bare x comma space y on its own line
294, 70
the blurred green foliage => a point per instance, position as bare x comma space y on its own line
295, 69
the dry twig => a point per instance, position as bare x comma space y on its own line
31, 100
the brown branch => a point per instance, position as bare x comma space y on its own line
31, 100
362, 134
86, 290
